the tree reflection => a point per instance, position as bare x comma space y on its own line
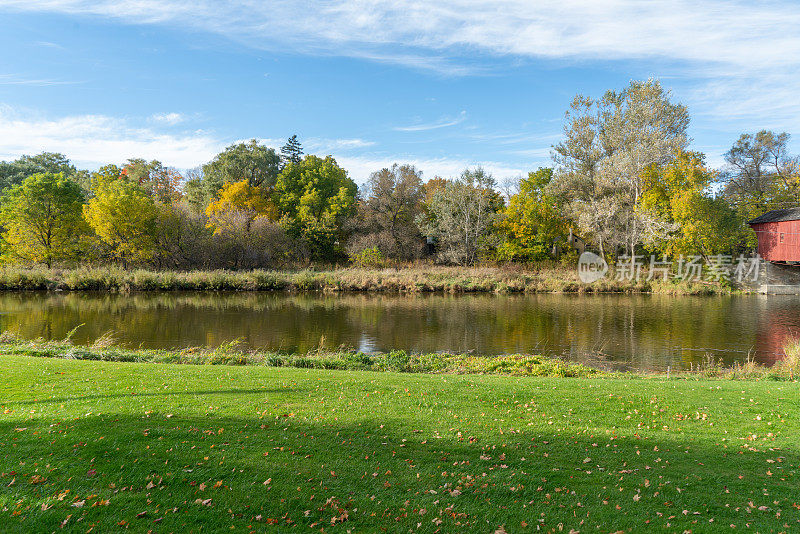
638, 331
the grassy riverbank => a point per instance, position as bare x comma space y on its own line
106, 446
418, 278
396, 361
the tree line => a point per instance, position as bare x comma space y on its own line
624, 178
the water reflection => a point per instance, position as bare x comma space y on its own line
640, 331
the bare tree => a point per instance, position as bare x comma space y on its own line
460, 216
759, 173
386, 215
510, 186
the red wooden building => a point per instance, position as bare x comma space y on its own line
778, 235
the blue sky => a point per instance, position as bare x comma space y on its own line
439, 85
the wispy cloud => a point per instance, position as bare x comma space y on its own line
552, 28
732, 53
441, 123
539, 154
515, 138
48, 44
316, 144
13, 79
718, 31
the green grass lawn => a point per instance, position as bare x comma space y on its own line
92, 446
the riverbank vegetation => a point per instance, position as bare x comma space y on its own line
624, 181
105, 446
400, 361
417, 278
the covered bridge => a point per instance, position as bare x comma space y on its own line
778, 234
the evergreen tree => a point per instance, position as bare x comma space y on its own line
292, 151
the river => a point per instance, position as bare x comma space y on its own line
647, 332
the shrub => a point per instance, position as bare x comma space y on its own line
369, 257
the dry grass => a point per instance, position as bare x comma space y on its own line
411, 278
791, 363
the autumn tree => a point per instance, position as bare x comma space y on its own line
41, 219
532, 222
429, 188
460, 214
386, 216
314, 197
681, 215
162, 183
607, 145
124, 215
238, 201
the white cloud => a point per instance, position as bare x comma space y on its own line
170, 119
48, 44
93, 140
360, 167
441, 123
741, 58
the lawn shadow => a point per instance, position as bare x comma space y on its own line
376, 473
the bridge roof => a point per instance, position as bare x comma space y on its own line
787, 214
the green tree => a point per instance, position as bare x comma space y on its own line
193, 191
42, 219
104, 175
14, 172
124, 216
251, 161
314, 197
532, 222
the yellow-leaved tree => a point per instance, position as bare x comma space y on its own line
682, 213
124, 216
238, 205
